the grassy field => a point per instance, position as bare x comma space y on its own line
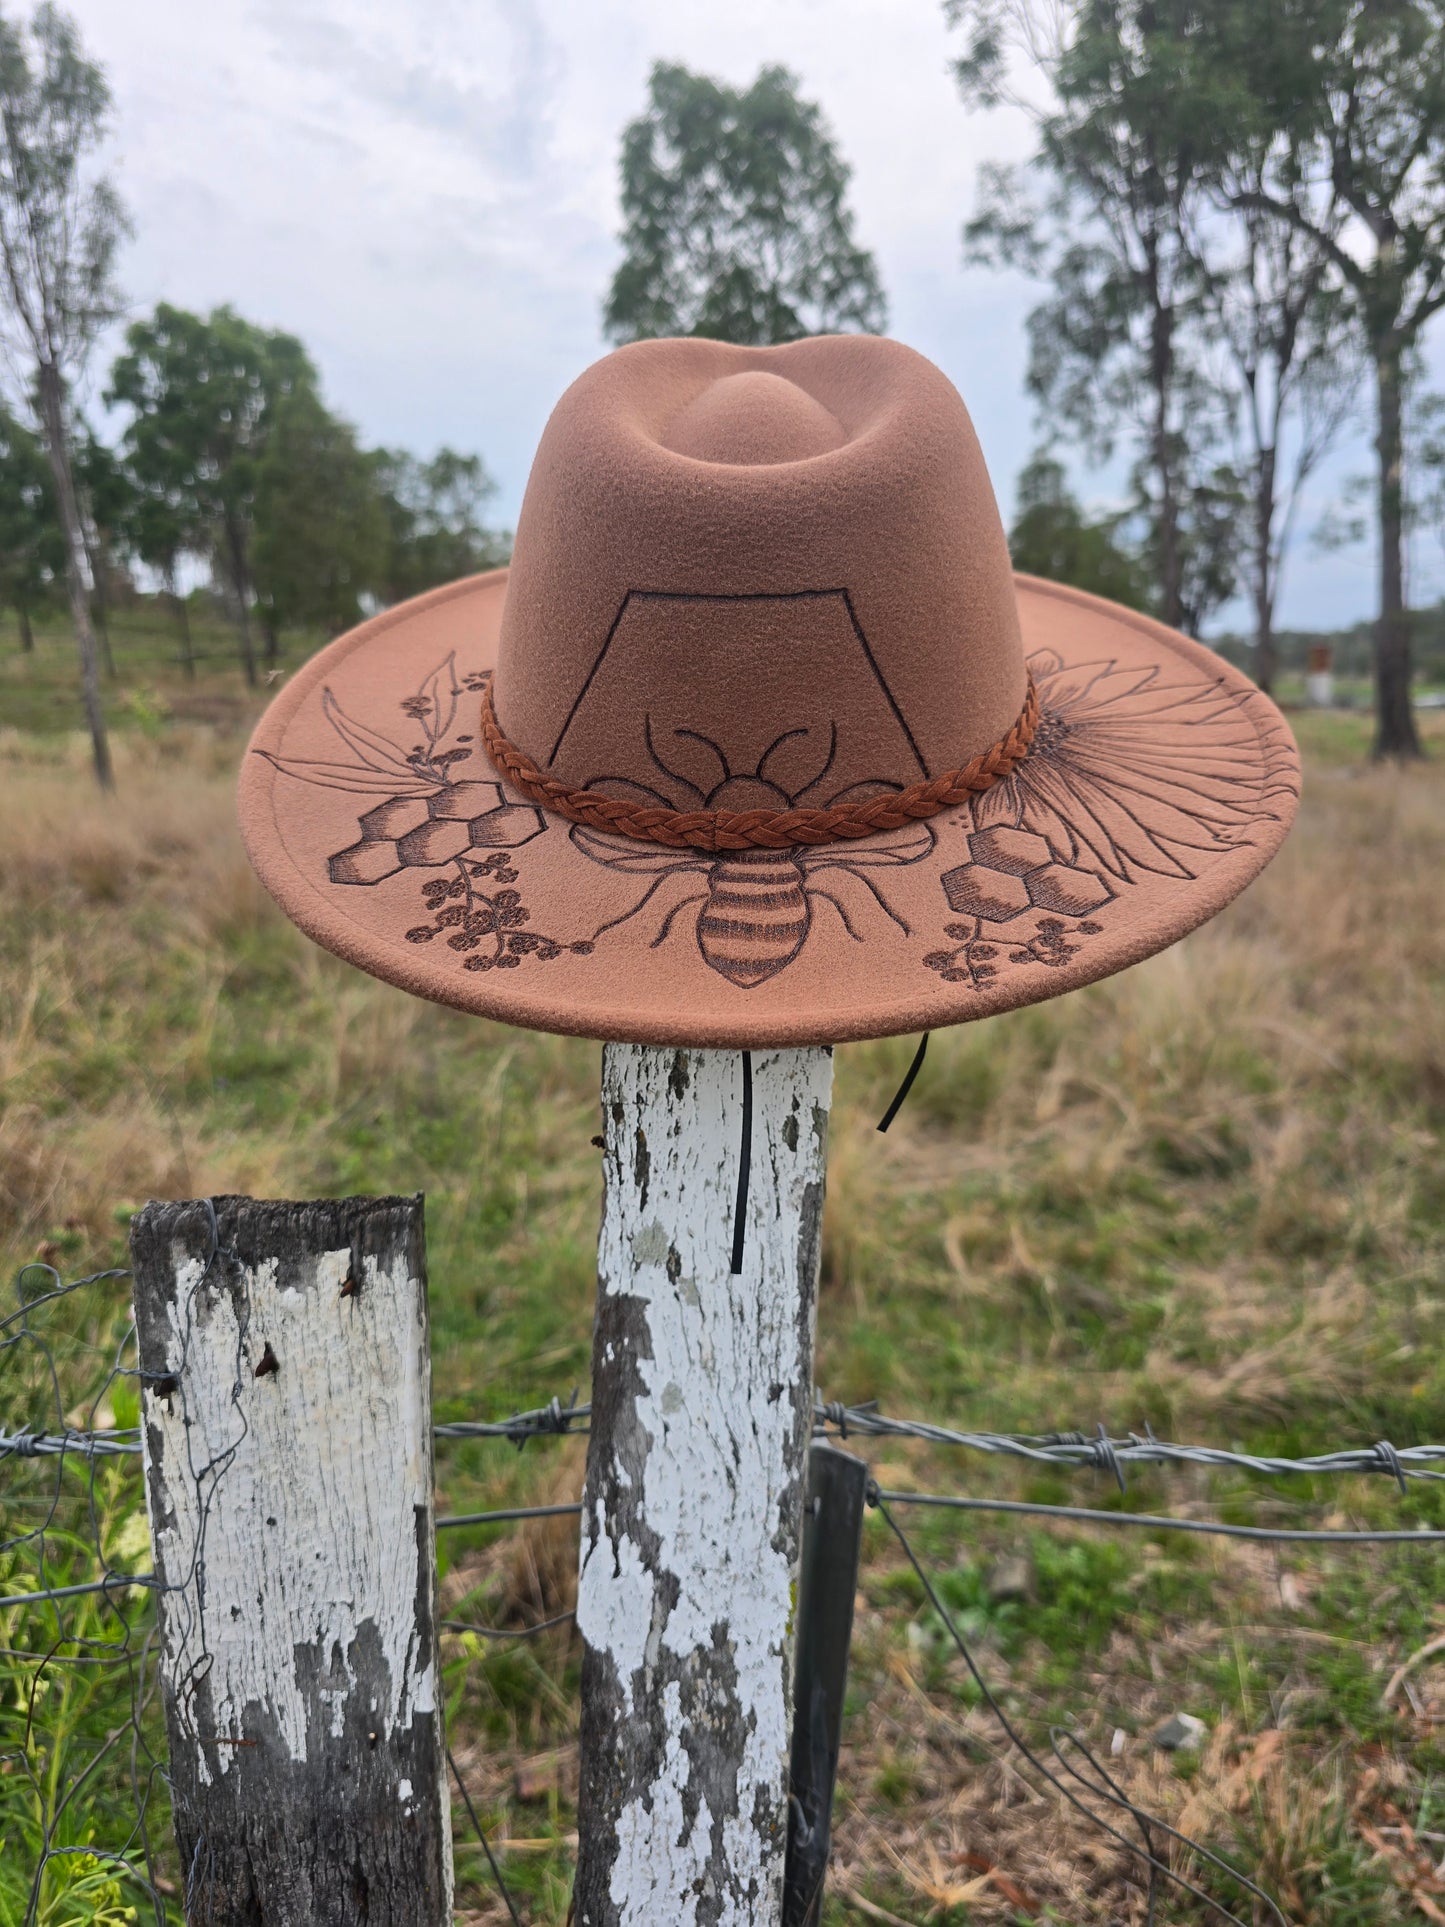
1208, 1196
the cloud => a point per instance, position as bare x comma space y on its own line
474, 80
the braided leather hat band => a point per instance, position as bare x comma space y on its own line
715, 830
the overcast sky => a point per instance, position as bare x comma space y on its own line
427, 195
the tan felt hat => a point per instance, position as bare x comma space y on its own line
760, 740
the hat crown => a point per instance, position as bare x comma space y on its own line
758, 578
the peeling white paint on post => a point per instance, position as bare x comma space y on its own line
701, 1417
287, 1436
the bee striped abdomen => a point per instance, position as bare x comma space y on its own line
756, 917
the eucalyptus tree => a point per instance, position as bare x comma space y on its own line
1275, 322
736, 224
61, 224
1280, 318
1212, 535
1363, 82
1181, 313
1429, 461
1124, 147
203, 392
320, 528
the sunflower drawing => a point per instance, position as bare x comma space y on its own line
1129, 771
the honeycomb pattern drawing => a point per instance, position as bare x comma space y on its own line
1013, 871
422, 832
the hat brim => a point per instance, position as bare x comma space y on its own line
1160, 782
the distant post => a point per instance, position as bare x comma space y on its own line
286, 1426
702, 1391
1320, 677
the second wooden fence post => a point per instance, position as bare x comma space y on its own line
702, 1396
288, 1451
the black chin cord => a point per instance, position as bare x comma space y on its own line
906, 1086
745, 1149
745, 1159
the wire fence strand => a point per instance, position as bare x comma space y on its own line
1099, 1451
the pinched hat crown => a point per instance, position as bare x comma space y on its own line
758, 580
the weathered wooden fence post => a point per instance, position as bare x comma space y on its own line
702, 1391
287, 1435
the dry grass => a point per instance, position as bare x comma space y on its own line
1207, 1195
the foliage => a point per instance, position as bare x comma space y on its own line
106, 506
736, 225
67, 1726
1053, 537
1275, 304
233, 456
1428, 509
59, 230
1211, 535
319, 525
434, 516
32, 547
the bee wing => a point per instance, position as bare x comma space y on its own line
911, 844
627, 854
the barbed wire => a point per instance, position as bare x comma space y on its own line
1171, 1522
1099, 1451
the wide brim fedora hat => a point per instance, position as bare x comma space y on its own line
760, 740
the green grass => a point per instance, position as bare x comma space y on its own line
1206, 1196
144, 682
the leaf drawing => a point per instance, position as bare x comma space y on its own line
438, 720
376, 751
352, 777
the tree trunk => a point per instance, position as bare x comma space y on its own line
1171, 569
183, 620
77, 567
286, 1430
27, 634
100, 606
702, 1397
102, 622
241, 583
1264, 510
1395, 733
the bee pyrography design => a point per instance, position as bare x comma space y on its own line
755, 907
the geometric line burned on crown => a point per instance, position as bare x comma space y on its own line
429, 818
786, 595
